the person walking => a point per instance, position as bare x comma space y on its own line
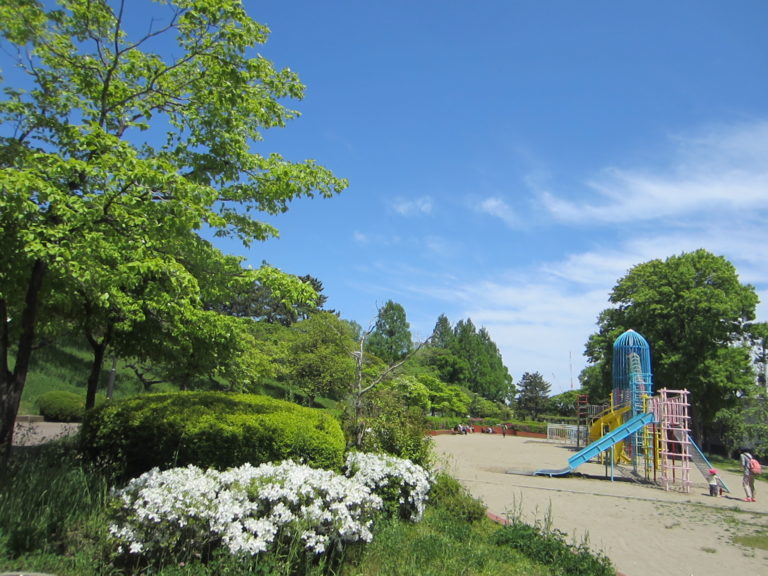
748, 480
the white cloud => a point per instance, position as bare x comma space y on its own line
413, 207
498, 208
721, 174
715, 197
376, 239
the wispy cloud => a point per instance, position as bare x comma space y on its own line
498, 208
377, 239
712, 194
413, 206
719, 173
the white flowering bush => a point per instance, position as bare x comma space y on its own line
247, 510
403, 485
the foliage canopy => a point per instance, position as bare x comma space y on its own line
118, 148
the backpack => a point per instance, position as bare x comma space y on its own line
754, 466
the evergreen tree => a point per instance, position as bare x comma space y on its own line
390, 339
442, 335
533, 394
485, 372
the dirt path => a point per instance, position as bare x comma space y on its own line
644, 530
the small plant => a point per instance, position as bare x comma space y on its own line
550, 547
448, 493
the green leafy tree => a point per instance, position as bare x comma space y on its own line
563, 404
413, 392
110, 146
533, 394
259, 301
694, 313
445, 399
126, 307
390, 339
493, 379
320, 361
449, 367
745, 425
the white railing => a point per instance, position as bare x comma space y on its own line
566, 433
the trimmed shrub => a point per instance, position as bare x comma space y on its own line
209, 429
61, 406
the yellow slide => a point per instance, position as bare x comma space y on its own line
610, 420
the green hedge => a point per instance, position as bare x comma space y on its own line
532, 426
61, 406
209, 429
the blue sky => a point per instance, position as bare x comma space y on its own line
509, 160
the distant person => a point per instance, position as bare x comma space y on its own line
714, 483
748, 480
503, 430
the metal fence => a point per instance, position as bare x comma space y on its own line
566, 434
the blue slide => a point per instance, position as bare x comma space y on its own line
700, 461
616, 435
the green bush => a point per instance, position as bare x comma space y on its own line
391, 426
448, 494
209, 429
61, 406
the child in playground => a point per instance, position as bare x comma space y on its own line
714, 483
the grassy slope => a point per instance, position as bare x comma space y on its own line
67, 368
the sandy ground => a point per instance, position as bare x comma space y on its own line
643, 529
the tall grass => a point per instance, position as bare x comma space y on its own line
51, 509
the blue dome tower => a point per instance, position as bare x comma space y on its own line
632, 377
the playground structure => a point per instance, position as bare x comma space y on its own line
649, 434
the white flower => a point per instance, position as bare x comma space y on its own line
378, 471
242, 509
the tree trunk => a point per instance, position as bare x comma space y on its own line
12, 383
99, 352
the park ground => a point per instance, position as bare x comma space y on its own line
643, 529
